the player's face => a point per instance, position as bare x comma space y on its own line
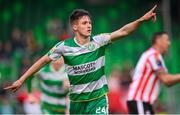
83, 26
165, 43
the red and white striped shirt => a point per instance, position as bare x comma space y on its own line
146, 85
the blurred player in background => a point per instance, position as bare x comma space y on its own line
85, 60
149, 72
54, 88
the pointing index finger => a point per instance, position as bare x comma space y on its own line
153, 8
9, 87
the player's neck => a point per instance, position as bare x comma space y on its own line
157, 48
82, 40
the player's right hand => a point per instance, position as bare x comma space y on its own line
15, 86
150, 15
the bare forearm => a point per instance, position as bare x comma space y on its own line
127, 29
170, 80
174, 79
35, 67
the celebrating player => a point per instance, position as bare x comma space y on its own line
84, 57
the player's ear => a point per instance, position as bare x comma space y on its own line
74, 26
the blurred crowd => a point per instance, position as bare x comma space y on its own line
16, 56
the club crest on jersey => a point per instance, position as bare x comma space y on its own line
91, 46
158, 62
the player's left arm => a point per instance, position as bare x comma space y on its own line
158, 66
129, 28
168, 79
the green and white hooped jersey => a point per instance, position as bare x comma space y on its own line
84, 66
53, 95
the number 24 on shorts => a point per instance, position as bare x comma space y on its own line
102, 110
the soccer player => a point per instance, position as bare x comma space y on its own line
54, 88
149, 73
84, 57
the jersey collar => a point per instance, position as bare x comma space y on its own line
75, 40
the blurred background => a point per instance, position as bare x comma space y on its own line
29, 28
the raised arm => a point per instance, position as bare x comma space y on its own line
128, 28
33, 69
168, 79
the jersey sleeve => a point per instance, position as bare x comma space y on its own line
103, 39
157, 62
56, 52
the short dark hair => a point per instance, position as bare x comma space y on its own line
76, 14
157, 35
